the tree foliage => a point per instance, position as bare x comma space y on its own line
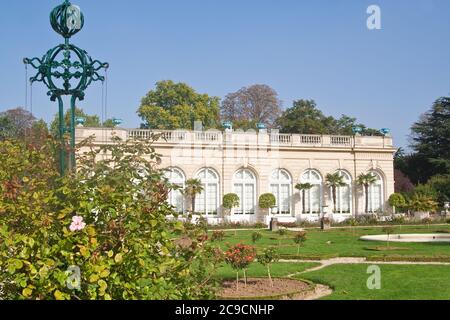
267, 201
431, 138
251, 105
173, 106
305, 118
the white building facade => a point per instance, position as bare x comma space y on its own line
250, 164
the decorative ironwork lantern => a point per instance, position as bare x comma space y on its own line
66, 70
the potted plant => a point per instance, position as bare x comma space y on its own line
325, 223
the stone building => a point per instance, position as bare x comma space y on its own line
253, 163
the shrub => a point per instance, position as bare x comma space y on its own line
282, 232
267, 201
230, 201
422, 203
397, 200
239, 257
218, 235
388, 230
98, 233
299, 239
256, 236
268, 256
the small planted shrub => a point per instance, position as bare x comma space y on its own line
282, 232
256, 236
300, 239
388, 230
427, 221
239, 257
267, 258
218, 235
267, 201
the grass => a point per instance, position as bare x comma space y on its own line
398, 282
344, 243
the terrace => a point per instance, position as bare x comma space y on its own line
167, 137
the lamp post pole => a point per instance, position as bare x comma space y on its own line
66, 70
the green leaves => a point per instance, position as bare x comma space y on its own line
127, 248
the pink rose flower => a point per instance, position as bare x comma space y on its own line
77, 224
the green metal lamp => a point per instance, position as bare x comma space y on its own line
66, 70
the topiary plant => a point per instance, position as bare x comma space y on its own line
397, 200
230, 201
267, 201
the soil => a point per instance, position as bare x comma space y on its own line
260, 288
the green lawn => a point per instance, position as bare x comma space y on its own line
345, 243
398, 282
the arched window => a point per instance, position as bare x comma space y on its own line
176, 199
344, 194
376, 194
281, 188
313, 197
245, 187
208, 201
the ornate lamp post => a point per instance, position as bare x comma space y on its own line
66, 70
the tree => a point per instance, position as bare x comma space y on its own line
267, 258
239, 257
397, 200
303, 187
305, 118
300, 239
441, 183
431, 138
335, 181
366, 180
172, 106
267, 201
16, 123
91, 121
193, 188
255, 104
388, 230
402, 182
230, 201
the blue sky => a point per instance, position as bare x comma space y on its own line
313, 49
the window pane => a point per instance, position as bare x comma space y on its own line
249, 198
238, 189
212, 199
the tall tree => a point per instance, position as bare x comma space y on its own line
258, 103
16, 123
431, 139
305, 118
177, 106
